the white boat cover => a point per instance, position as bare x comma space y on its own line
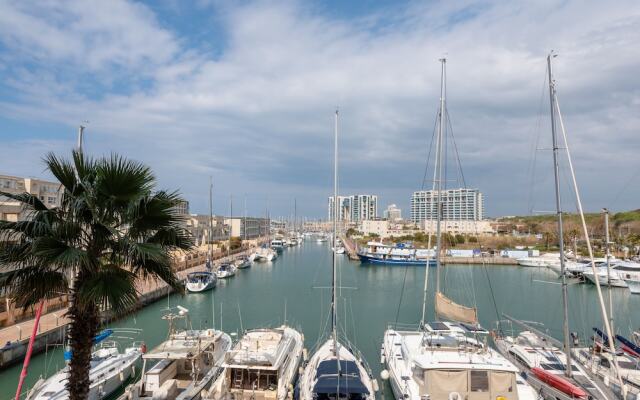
447, 308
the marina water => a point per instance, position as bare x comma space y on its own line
296, 287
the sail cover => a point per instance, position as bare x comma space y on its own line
447, 308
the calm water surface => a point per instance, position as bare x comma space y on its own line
295, 287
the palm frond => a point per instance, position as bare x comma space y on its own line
28, 285
27, 199
63, 171
175, 238
111, 286
155, 269
120, 181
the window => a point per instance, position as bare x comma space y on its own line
479, 381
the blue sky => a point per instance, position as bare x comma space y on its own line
245, 92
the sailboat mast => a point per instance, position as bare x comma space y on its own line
565, 302
334, 314
210, 217
439, 168
608, 255
230, 224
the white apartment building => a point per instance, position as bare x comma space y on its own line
462, 227
355, 208
393, 213
457, 205
49, 193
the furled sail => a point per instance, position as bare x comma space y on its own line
447, 308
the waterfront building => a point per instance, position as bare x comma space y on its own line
458, 226
248, 228
182, 208
457, 205
393, 213
378, 227
48, 192
355, 208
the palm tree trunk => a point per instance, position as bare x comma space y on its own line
84, 326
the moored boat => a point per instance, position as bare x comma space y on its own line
225, 271
201, 281
262, 365
399, 254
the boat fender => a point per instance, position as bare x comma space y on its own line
606, 380
305, 354
384, 374
455, 396
375, 385
121, 376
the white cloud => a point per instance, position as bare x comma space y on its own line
258, 115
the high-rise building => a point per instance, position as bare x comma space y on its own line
457, 204
355, 208
392, 213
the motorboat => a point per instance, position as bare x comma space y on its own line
109, 370
339, 249
201, 281
262, 365
398, 254
225, 271
544, 367
617, 276
242, 262
447, 359
277, 244
545, 260
182, 366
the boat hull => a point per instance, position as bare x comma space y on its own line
391, 261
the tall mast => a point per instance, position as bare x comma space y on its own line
230, 224
210, 217
438, 181
608, 255
244, 223
565, 302
334, 314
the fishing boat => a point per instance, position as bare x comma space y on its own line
448, 358
398, 254
225, 271
242, 262
110, 368
262, 365
201, 281
336, 370
182, 366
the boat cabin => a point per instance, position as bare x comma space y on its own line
339, 380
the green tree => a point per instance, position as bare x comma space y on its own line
111, 229
235, 242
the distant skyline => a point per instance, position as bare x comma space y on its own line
245, 92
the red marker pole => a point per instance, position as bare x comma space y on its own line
27, 358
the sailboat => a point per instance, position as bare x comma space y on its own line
336, 370
550, 364
200, 281
447, 359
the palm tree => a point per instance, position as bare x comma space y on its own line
111, 229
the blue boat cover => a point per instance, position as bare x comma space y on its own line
632, 346
96, 339
346, 380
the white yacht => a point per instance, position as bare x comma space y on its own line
263, 254
449, 361
225, 271
181, 367
601, 363
336, 370
545, 366
109, 370
620, 272
262, 365
201, 281
277, 244
544, 260
242, 262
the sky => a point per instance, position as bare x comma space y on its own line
245, 92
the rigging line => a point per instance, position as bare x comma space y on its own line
625, 186
455, 149
426, 167
404, 281
531, 169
